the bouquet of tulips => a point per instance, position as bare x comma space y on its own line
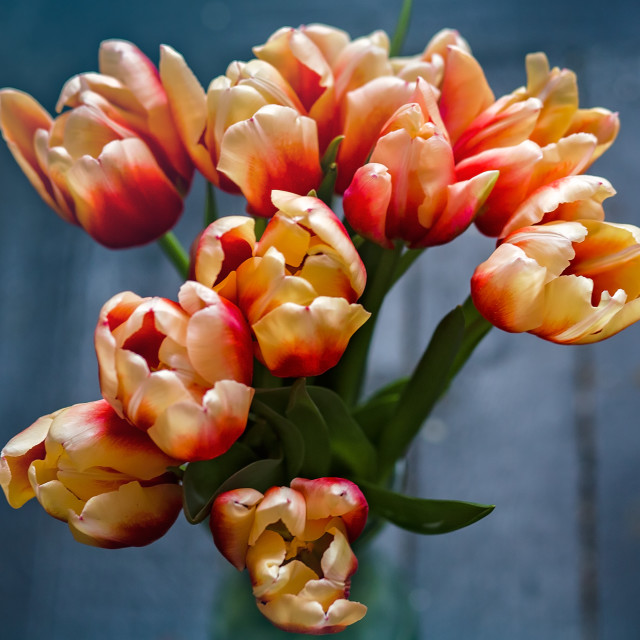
241, 401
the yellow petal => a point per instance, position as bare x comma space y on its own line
17, 456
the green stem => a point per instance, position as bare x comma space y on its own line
347, 377
401, 29
176, 253
210, 206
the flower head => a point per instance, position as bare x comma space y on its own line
181, 372
569, 282
297, 286
90, 468
113, 163
295, 544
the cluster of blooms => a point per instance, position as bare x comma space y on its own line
419, 147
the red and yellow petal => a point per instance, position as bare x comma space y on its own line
296, 340
232, 516
123, 198
16, 457
132, 516
191, 431
275, 149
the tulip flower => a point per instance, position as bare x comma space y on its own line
524, 169
295, 544
112, 164
545, 111
408, 191
93, 470
297, 286
571, 282
249, 133
180, 372
323, 64
430, 64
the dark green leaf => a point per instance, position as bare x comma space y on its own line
429, 379
475, 328
349, 445
302, 412
293, 449
260, 475
202, 479
422, 515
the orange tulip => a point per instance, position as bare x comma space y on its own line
113, 163
408, 191
93, 470
295, 545
524, 169
545, 111
180, 372
297, 286
570, 282
248, 133
430, 64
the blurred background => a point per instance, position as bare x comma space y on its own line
549, 434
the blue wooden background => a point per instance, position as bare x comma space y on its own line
549, 434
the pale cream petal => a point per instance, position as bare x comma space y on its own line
279, 503
16, 457
131, 516
232, 516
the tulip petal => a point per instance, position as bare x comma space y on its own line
275, 149
17, 456
300, 61
219, 343
335, 497
187, 431
99, 186
20, 118
465, 92
367, 110
223, 246
545, 204
601, 123
279, 504
463, 201
313, 214
232, 516
298, 341
188, 105
366, 202
92, 435
131, 516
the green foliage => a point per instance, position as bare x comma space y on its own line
422, 515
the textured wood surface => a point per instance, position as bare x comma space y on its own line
547, 433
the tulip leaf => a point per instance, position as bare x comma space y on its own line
427, 383
330, 155
422, 515
293, 447
259, 475
203, 478
325, 190
349, 444
374, 414
303, 412
475, 328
